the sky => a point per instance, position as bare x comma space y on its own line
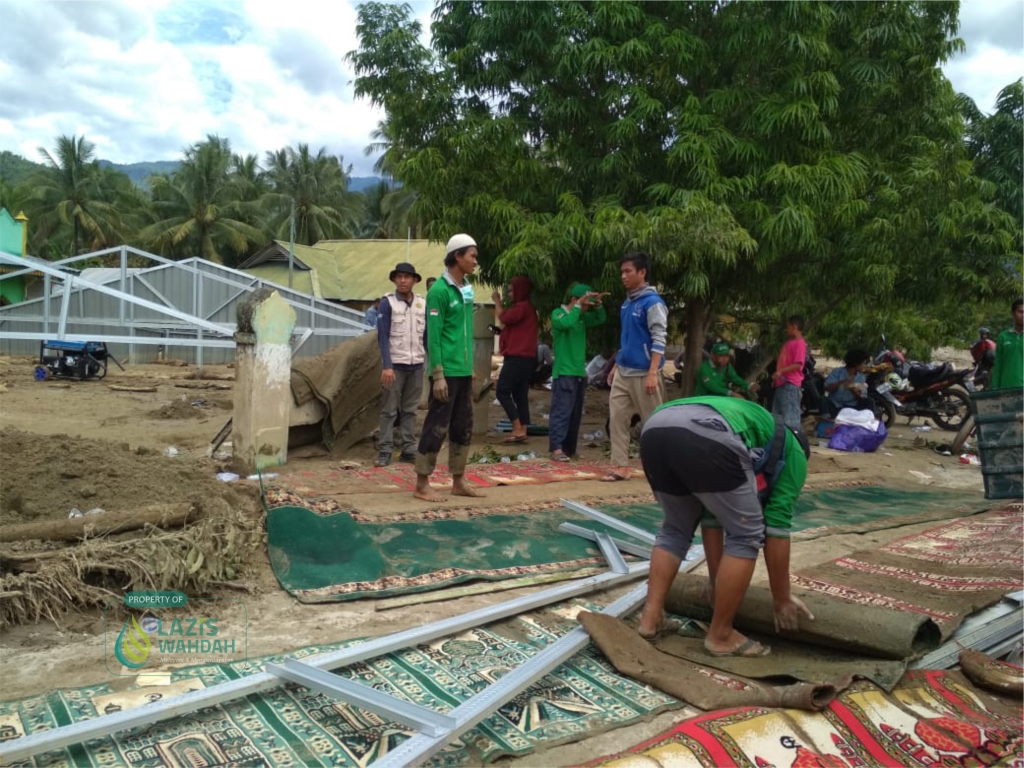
143, 79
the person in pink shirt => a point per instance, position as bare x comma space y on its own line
789, 374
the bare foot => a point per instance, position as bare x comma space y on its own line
427, 494
461, 489
738, 645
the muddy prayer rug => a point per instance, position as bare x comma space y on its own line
293, 726
929, 719
323, 552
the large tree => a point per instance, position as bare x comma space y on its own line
200, 209
772, 156
72, 194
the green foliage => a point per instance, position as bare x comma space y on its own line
15, 169
996, 145
772, 156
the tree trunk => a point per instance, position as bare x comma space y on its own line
92, 526
697, 312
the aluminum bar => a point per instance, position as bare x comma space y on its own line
586, 533
363, 696
983, 634
168, 341
612, 522
24, 747
72, 281
611, 554
418, 748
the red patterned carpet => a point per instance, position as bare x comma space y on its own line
930, 719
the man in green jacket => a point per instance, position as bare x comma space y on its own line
728, 465
1008, 371
569, 325
450, 362
717, 376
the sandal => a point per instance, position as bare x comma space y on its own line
613, 477
668, 627
560, 457
515, 439
748, 649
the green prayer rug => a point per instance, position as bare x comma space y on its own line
327, 556
293, 726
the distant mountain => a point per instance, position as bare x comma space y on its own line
362, 183
14, 169
139, 173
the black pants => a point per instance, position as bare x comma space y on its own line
566, 413
453, 419
514, 387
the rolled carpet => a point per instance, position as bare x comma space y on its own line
992, 674
708, 689
857, 628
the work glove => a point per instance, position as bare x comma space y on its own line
440, 388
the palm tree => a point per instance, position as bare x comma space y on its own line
72, 191
397, 205
199, 209
315, 187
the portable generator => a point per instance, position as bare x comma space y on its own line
73, 360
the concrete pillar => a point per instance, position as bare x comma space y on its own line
263, 397
483, 351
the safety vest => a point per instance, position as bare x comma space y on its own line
407, 324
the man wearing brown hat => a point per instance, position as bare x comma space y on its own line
401, 334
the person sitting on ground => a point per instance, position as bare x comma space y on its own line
569, 324
545, 365
518, 345
728, 465
716, 375
847, 386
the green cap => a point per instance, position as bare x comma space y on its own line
721, 348
579, 290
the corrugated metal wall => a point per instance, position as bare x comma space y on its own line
194, 286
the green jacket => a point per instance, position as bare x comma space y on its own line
712, 381
756, 427
569, 338
1008, 371
449, 329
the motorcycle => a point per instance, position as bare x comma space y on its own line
902, 388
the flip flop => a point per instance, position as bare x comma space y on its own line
748, 649
515, 439
560, 457
613, 477
668, 627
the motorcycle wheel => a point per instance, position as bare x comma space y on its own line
886, 410
954, 408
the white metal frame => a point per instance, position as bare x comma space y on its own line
347, 322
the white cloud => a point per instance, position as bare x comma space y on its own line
143, 80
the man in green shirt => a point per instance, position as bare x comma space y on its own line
569, 325
450, 362
717, 376
1008, 371
729, 462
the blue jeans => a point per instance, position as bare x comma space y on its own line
566, 413
786, 404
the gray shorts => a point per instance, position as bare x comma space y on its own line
695, 461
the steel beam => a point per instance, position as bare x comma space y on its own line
611, 554
24, 747
363, 696
169, 341
590, 535
612, 522
980, 632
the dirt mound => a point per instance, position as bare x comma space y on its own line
181, 409
44, 476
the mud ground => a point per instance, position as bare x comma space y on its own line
66, 444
